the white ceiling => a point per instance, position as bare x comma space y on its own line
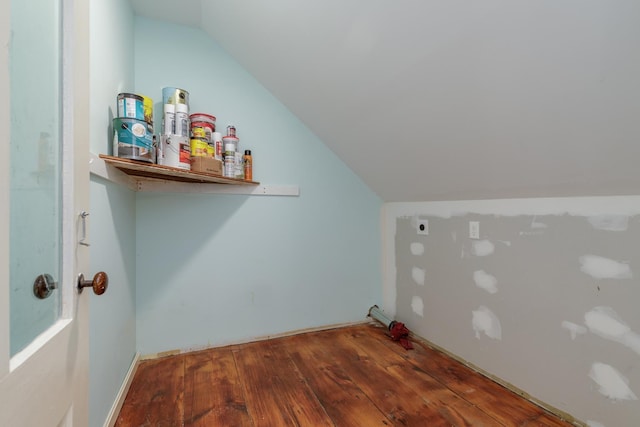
456, 99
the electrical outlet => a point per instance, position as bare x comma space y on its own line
423, 227
474, 229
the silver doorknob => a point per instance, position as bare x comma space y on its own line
44, 285
99, 283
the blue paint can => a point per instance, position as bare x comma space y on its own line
133, 139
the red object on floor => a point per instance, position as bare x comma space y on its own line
400, 333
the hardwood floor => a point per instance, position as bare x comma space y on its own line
353, 376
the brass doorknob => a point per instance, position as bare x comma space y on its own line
99, 283
44, 285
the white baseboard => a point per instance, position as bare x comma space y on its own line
122, 393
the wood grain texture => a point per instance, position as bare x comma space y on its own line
343, 400
157, 384
155, 171
207, 371
354, 376
276, 392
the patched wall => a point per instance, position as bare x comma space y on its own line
546, 302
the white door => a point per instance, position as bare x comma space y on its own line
44, 186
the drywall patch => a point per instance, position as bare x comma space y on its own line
417, 249
454, 236
611, 383
531, 233
418, 275
536, 224
485, 320
482, 248
591, 423
485, 281
505, 242
605, 322
609, 222
604, 268
417, 305
574, 329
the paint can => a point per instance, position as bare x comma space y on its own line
147, 109
204, 118
216, 140
174, 151
199, 147
130, 106
175, 96
205, 127
198, 131
133, 139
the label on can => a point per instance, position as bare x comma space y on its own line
147, 108
230, 166
182, 124
198, 132
185, 153
174, 95
131, 106
133, 139
239, 172
199, 148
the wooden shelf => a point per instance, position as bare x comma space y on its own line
167, 173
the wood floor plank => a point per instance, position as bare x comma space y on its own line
276, 393
343, 400
156, 395
352, 376
451, 408
494, 399
387, 392
455, 410
213, 391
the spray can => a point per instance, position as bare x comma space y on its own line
182, 119
216, 138
239, 174
230, 147
248, 166
169, 119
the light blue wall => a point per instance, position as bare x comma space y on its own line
213, 269
112, 214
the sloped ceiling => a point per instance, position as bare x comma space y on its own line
443, 100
